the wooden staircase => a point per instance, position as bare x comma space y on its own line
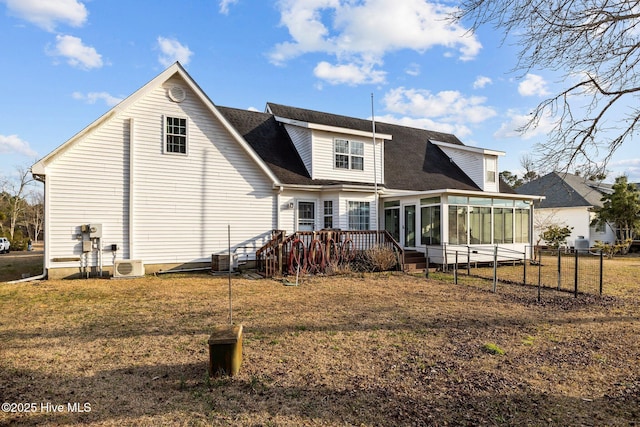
414, 261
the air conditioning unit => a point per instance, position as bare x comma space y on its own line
128, 268
220, 262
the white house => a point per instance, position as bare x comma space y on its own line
163, 176
569, 201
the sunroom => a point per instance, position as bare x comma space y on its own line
476, 225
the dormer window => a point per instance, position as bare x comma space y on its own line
348, 154
490, 167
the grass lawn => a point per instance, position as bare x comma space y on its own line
385, 349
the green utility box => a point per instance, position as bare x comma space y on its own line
225, 350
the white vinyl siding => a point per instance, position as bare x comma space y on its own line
475, 166
301, 139
182, 204
324, 162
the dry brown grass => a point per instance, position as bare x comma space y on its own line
385, 349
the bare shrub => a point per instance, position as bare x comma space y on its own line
335, 268
376, 258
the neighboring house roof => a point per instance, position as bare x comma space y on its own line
411, 161
563, 190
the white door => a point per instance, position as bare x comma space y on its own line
306, 216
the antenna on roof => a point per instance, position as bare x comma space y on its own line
375, 169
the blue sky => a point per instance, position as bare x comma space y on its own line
67, 62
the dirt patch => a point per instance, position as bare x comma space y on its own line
385, 349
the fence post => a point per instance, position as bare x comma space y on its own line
524, 269
446, 265
426, 255
468, 260
601, 268
495, 267
575, 277
455, 270
559, 269
539, 272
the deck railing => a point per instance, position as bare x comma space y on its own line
312, 251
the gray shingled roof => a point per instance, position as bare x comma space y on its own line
412, 162
565, 190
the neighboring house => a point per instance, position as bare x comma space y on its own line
164, 175
569, 200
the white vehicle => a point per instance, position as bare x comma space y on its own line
4, 245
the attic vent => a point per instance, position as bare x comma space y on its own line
177, 93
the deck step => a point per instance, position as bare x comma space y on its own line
414, 261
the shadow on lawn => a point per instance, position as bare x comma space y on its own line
182, 395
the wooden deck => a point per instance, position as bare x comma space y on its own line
310, 252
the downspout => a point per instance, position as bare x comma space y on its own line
30, 279
43, 179
278, 194
131, 189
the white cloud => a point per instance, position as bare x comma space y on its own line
77, 54
533, 85
458, 129
511, 128
172, 50
224, 6
47, 14
11, 144
481, 82
93, 97
628, 167
446, 106
350, 74
413, 70
363, 32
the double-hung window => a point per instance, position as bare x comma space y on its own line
491, 164
175, 135
348, 154
328, 214
359, 215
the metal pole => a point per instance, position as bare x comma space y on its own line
426, 252
230, 304
375, 168
539, 272
495, 267
524, 270
559, 269
468, 260
601, 268
575, 277
455, 270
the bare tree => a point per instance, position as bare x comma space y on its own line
595, 45
529, 166
34, 215
14, 193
